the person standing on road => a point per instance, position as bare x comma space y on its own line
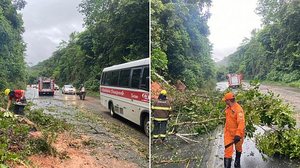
82, 92
234, 130
161, 109
18, 96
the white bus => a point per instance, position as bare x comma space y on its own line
124, 90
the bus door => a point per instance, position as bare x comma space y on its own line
136, 75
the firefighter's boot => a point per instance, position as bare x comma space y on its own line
237, 162
227, 162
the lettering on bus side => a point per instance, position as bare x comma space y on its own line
134, 96
116, 92
105, 90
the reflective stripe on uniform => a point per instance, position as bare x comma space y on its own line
160, 119
162, 135
161, 108
155, 136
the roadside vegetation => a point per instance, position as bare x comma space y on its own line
20, 140
12, 46
116, 32
196, 113
292, 84
181, 51
180, 46
272, 53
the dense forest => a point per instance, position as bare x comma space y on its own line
273, 52
180, 46
115, 32
12, 46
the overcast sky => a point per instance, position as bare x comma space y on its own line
230, 23
47, 23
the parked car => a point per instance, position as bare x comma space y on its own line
56, 87
68, 89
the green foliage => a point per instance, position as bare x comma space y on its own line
273, 52
159, 61
202, 111
47, 122
268, 109
116, 32
283, 142
221, 73
43, 145
16, 145
197, 106
12, 46
179, 32
264, 109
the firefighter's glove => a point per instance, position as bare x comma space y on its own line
236, 139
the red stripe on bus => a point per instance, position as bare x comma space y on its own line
139, 96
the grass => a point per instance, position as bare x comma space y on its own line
93, 93
16, 145
295, 84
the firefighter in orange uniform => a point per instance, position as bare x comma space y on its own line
161, 109
234, 130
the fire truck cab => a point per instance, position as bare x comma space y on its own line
46, 86
234, 80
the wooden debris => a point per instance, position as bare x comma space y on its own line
198, 122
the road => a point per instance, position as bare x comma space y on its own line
126, 140
289, 94
251, 157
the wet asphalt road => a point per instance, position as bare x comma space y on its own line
251, 157
90, 112
90, 103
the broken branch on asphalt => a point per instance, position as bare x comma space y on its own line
198, 122
96, 131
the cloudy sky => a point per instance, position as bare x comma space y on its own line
230, 23
47, 23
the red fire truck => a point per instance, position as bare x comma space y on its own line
46, 86
234, 80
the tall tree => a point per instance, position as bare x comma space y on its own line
272, 53
116, 32
179, 37
12, 46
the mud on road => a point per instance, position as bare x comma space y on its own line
109, 142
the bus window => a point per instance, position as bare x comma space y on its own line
114, 78
103, 78
108, 78
124, 78
145, 79
136, 77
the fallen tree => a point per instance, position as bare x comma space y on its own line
195, 115
16, 140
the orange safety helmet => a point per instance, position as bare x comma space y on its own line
228, 96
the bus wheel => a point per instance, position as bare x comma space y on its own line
112, 111
146, 126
